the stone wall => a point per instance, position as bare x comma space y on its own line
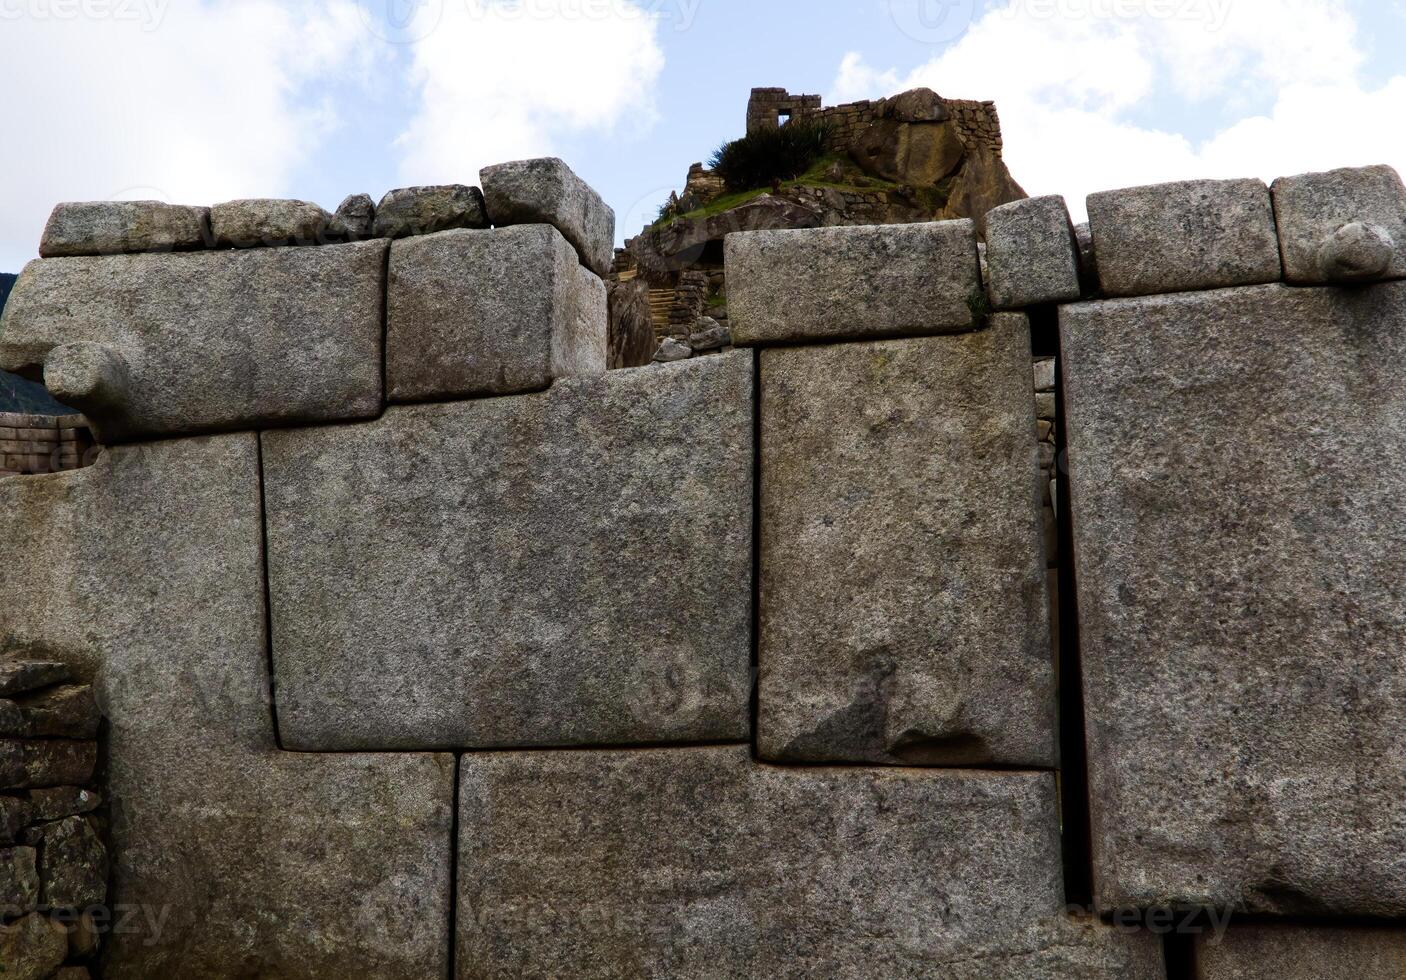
54, 911
977, 122
767, 106
44, 443
787, 660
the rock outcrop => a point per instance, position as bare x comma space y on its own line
915, 157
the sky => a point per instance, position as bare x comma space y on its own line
201, 101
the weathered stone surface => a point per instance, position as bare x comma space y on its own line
114, 227
32, 948
179, 344
918, 155
1356, 253
45, 762
354, 219
709, 334
57, 802
1044, 380
1031, 253
267, 221
1296, 952
15, 814
20, 676
919, 105
84, 934
844, 283
904, 618
671, 350
568, 567
1312, 208
73, 865
1238, 493
698, 862
682, 243
631, 335
547, 191
65, 711
1196, 234
1088, 260
425, 210
19, 883
1046, 407
490, 313
240, 859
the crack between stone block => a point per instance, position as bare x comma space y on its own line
1075, 821
268, 592
500, 749
385, 326
754, 704
1179, 956
454, 870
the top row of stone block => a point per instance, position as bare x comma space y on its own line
542, 191
1340, 227
847, 283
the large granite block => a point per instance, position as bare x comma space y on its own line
547, 191
153, 345
699, 862
145, 572
490, 313
1237, 468
903, 609
1195, 234
1312, 211
1032, 255
115, 227
852, 282
562, 568
1298, 952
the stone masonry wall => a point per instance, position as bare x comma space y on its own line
54, 911
43, 443
977, 122
1037, 617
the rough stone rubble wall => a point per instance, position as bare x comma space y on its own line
43, 443
977, 122
748, 664
53, 862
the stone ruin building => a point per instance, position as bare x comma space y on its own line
1034, 620
915, 157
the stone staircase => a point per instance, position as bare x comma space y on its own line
661, 302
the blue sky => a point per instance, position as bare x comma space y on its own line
197, 101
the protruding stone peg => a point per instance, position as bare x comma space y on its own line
91, 378
1356, 252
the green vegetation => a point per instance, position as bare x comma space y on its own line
840, 173
759, 159
716, 206
979, 305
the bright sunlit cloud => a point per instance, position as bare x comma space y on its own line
1079, 93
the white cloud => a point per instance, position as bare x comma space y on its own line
1075, 90
187, 101
504, 80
